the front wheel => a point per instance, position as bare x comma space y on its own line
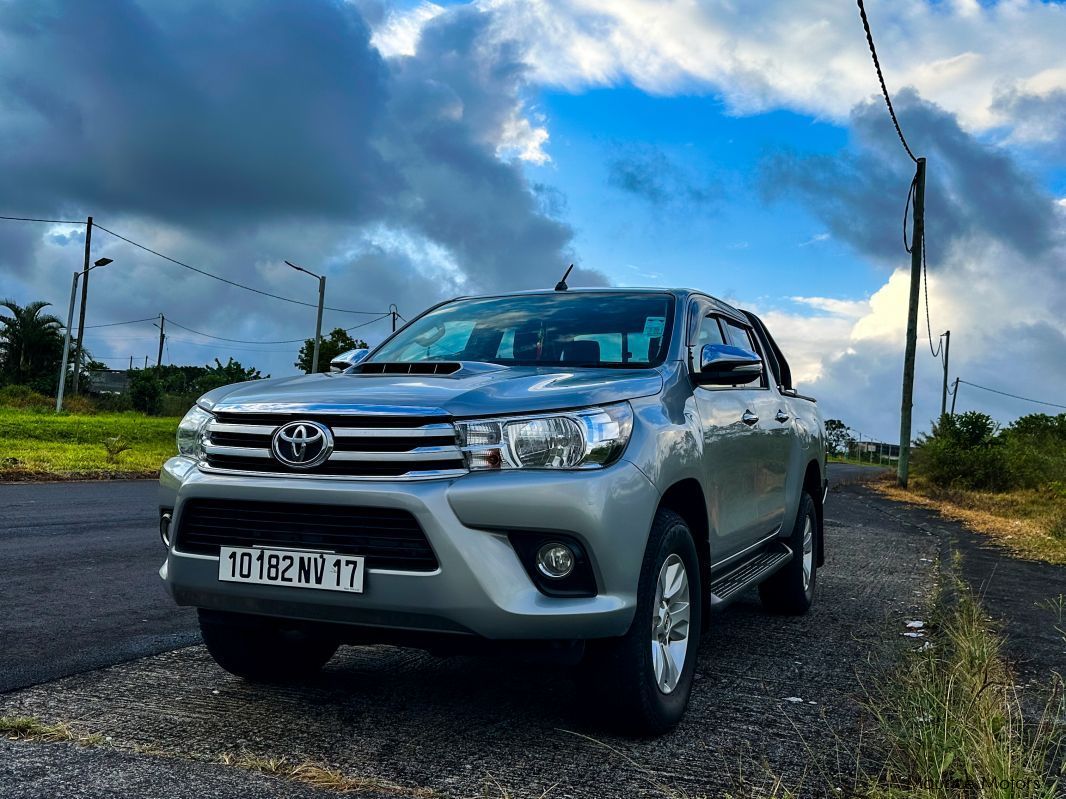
260, 649
642, 681
790, 590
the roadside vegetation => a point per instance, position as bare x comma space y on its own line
951, 721
1009, 483
946, 721
87, 444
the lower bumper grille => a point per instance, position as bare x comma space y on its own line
389, 538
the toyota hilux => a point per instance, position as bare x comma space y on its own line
593, 471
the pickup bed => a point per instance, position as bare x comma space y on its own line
587, 471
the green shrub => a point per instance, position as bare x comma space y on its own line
146, 392
969, 451
24, 397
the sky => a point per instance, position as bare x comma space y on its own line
412, 152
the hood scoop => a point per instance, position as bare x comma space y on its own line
414, 368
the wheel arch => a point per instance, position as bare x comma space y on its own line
812, 485
686, 498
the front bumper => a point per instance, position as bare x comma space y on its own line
481, 587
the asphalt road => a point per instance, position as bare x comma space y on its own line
79, 583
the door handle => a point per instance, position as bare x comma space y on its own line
749, 418
781, 416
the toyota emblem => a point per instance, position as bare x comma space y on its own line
302, 445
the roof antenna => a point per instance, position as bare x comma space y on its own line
561, 285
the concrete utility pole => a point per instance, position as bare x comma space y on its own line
70, 321
162, 338
321, 304
66, 344
954, 396
944, 391
912, 326
81, 313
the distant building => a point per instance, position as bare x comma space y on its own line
109, 381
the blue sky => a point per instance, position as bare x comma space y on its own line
725, 243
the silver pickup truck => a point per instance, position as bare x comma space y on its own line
586, 471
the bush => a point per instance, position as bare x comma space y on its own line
969, 451
25, 398
146, 392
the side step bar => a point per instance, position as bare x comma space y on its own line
727, 586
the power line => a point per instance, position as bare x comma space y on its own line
881, 78
235, 340
130, 322
33, 219
928, 324
258, 341
1013, 396
226, 280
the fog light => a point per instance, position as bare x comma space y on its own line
555, 560
164, 529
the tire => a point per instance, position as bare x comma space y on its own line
790, 590
630, 679
259, 649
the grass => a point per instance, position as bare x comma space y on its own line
320, 776
950, 720
1027, 522
44, 445
27, 728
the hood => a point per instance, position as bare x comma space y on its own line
476, 389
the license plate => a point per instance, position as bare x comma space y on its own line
327, 571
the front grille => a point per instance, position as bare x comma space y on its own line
370, 446
388, 538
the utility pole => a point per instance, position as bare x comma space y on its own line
944, 392
954, 396
393, 312
162, 338
66, 343
321, 303
81, 313
912, 326
131, 363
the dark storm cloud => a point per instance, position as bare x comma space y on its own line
650, 174
244, 130
197, 113
974, 190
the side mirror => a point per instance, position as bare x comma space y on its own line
726, 365
347, 359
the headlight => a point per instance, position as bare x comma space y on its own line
191, 432
586, 439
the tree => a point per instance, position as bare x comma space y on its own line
146, 391
337, 342
31, 345
838, 437
222, 374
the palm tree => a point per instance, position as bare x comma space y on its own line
31, 343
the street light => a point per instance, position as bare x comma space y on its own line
70, 321
321, 302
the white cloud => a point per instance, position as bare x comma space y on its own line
815, 239
398, 34
521, 139
810, 56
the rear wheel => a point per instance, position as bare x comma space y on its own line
642, 681
260, 649
790, 590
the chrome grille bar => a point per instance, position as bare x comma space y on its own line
377, 449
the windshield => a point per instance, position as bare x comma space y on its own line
580, 329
